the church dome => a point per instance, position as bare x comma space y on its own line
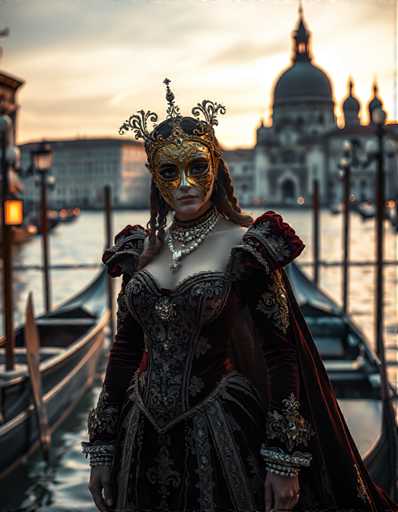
375, 101
351, 107
303, 82
351, 104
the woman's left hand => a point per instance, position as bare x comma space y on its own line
281, 492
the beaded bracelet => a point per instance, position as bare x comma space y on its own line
281, 470
98, 454
277, 455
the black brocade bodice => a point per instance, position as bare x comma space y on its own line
167, 363
185, 356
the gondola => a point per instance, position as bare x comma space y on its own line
71, 341
356, 375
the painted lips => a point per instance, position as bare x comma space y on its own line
186, 197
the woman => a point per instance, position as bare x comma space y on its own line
215, 398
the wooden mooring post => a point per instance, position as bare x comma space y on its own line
108, 243
315, 229
346, 235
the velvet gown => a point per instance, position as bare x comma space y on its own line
200, 376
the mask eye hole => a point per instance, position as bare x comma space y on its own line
168, 172
198, 167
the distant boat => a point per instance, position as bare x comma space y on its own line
52, 221
336, 208
355, 373
21, 234
71, 341
64, 214
366, 210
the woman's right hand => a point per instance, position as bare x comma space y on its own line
100, 487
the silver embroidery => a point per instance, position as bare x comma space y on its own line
205, 470
163, 473
273, 302
202, 346
127, 452
165, 309
196, 385
172, 325
103, 418
230, 459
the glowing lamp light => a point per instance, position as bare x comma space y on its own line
13, 209
300, 200
42, 157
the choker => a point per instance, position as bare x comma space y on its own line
189, 235
193, 222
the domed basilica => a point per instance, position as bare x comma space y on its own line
304, 142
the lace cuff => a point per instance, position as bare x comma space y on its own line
288, 426
98, 454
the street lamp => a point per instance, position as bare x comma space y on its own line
13, 212
42, 159
379, 118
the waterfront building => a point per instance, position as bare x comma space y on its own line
9, 87
83, 166
303, 140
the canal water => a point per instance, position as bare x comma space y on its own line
63, 486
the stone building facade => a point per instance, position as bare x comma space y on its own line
303, 141
82, 167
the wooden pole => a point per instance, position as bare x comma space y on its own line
315, 232
379, 328
346, 235
44, 238
7, 264
108, 243
389, 417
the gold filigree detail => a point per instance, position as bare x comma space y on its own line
273, 302
209, 110
289, 426
203, 133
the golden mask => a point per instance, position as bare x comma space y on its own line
188, 164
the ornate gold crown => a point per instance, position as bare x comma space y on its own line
203, 133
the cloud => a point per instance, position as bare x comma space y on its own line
93, 62
247, 51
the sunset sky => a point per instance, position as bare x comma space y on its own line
89, 64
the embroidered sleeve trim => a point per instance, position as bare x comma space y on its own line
103, 418
289, 426
275, 240
123, 255
273, 302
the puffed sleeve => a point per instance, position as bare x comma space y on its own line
267, 246
125, 353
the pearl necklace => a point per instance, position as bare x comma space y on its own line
195, 234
